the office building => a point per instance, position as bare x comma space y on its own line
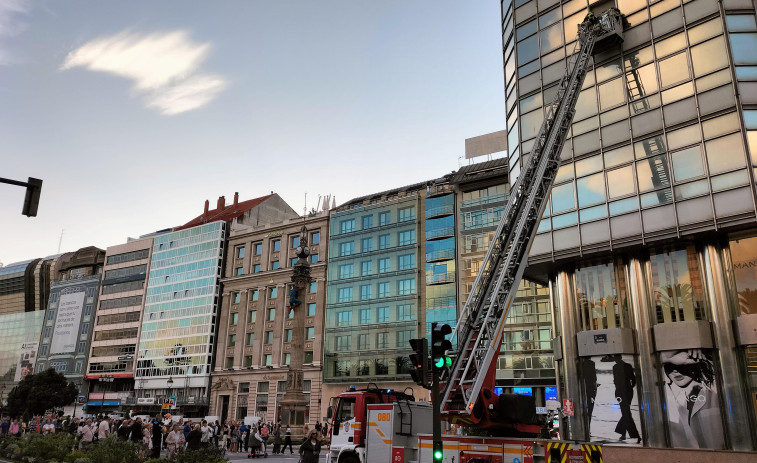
648, 240
255, 326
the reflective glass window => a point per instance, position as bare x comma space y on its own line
564, 220
705, 31
649, 147
744, 47
744, 256
608, 70
677, 291
530, 102
551, 38
670, 45
637, 58
674, 69
661, 6
614, 115
564, 173
562, 198
618, 156
691, 190
549, 17
601, 297
713, 80
591, 189
525, 30
530, 123
528, 69
740, 23
593, 213
624, 205
588, 165
645, 104
751, 139
586, 105
653, 173
685, 136
656, 198
629, 6
725, 153
620, 182
746, 73
678, 93
611, 93
720, 125
687, 163
572, 6
709, 56
638, 18
729, 180
642, 82
571, 26
528, 50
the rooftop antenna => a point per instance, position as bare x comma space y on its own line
305, 209
60, 241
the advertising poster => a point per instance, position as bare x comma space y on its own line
66, 331
613, 406
691, 396
26, 361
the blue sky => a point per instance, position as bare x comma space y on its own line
133, 113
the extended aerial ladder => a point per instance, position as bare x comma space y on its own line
467, 396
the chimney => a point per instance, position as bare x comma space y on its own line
221, 202
207, 205
236, 197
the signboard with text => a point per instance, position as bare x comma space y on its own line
66, 331
567, 407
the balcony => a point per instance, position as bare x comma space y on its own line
439, 278
444, 232
440, 211
443, 254
503, 198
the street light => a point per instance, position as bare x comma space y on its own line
170, 386
2, 400
76, 401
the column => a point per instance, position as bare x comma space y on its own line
576, 423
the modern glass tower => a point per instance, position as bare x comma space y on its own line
648, 240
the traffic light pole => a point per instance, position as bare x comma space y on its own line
436, 401
33, 189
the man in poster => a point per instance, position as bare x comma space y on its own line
625, 381
692, 401
589, 378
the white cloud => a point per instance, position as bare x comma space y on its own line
10, 25
163, 66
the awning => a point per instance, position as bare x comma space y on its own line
95, 403
111, 402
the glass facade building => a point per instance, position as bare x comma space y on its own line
181, 302
372, 302
441, 258
19, 341
646, 237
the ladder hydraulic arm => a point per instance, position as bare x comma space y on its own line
467, 396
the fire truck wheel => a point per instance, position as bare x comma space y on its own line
350, 459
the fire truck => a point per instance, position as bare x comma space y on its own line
376, 426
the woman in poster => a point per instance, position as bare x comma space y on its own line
692, 401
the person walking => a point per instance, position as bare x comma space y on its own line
175, 440
277, 440
194, 438
288, 440
264, 434
156, 436
87, 434
310, 448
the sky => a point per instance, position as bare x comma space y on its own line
134, 113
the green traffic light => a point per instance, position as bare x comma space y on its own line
438, 455
439, 363
447, 361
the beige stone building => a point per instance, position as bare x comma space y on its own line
254, 328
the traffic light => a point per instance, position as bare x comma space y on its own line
438, 449
419, 359
439, 346
31, 201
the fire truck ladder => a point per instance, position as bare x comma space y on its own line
480, 327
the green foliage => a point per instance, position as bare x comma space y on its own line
75, 456
206, 455
39, 392
112, 450
53, 447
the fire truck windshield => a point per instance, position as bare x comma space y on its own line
346, 409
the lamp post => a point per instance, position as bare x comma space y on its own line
2, 400
170, 386
76, 400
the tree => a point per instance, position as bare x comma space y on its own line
37, 393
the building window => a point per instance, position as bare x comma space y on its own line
382, 340
48, 332
404, 312
239, 271
365, 316
314, 259
237, 298
315, 238
273, 293
43, 350
229, 362
287, 358
405, 287
406, 214
256, 268
81, 348
311, 309
310, 332
275, 265
84, 328
235, 318
346, 271
366, 267
78, 367
276, 245
365, 292
367, 244
406, 261
232, 340
90, 290
88, 310
342, 343
251, 315
294, 261
268, 360
344, 318
269, 337
250, 339
243, 387
383, 289
382, 314
288, 335
367, 222
347, 226
313, 287
295, 241
257, 249
363, 342
255, 294
308, 357
384, 241
383, 265
248, 361
344, 295
346, 249
384, 218
407, 237
403, 338
240, 252
271, 315
50, 314
60, 367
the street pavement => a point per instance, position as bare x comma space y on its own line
285, 458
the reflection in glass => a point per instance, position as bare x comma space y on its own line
744, 47
649, 147
601, 297
670, 45
565, 172
528, 49
629, 6
730, 180
677, 292
619, 156
653, 173
593, 213
571, 26
620, 182
586, 105
609, 70
691, 190
530, 102
611, 93
687, 163
678, 93
530, 123
614, 115
562, 198
674, 69
744, 257
725, 153
740, 23
751, 138
564, 220
624, 205
551, 38
639, 57
585, 125
588, 165
526, 30
715, 79
709, 56
642, 82
720, 125
685, 136
591, 189
705, 31
645, 104
656, 198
